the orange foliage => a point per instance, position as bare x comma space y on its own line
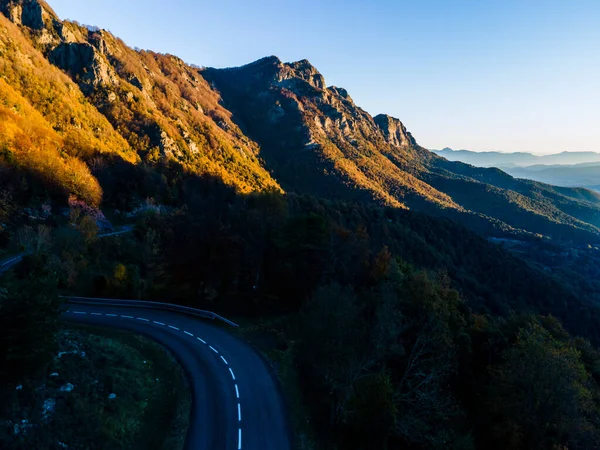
57, 97
36, 148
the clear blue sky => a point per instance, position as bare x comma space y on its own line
507, 75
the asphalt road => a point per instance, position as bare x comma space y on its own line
10, 262
121, 230
236, 400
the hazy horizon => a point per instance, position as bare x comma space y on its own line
501, 76
510, 151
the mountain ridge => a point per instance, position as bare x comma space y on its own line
271, 125
348, 143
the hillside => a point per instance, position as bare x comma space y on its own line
48, 127
140, 121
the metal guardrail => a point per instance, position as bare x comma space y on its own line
146, 304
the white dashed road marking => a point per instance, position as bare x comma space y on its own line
237, 391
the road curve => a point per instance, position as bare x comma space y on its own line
236, 400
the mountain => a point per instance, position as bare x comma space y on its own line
315, 139
137, 124
518, 159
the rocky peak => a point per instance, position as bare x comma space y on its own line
266, 61
30, 13
341, 92
394, 131
307, 72
263, 65
265, 70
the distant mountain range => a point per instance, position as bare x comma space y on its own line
577, 175
518, 159
570, 169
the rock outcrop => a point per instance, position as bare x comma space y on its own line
29, 13
304, 70
34, 14
394, 131
65, 34
85, 63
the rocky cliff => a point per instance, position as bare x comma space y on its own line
85, 64
394, 131
35, 14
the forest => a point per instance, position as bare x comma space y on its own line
399, 325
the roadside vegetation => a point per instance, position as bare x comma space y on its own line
67, 386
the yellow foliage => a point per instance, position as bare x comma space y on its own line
57, 98
36, 148
120, 274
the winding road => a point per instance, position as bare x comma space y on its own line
237, 402
11, 261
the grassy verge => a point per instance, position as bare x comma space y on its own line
106, 389
268, 338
